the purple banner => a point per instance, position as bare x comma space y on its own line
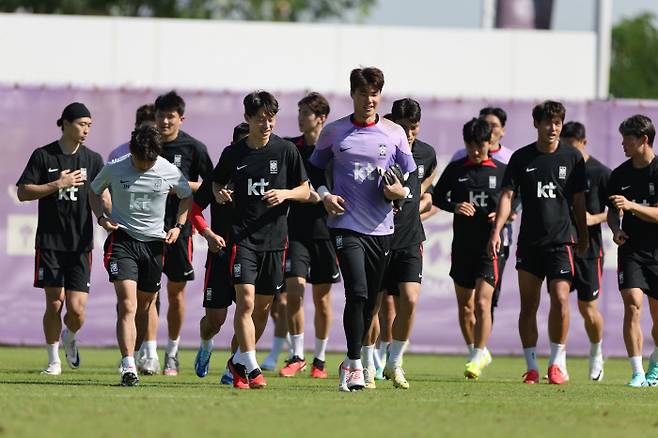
27, 121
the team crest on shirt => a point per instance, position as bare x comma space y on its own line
492, 182
83, 173
158, 185
421, 171
274, 167
178, 158
382, 150
209, 294
562, 173
652, 189
237, 270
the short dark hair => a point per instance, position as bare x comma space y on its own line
316, 102
477, 131
406, 108
389, 116
366, 77
240, 132
146, 143
575, 130
170, 102
548, 110
638, 125
253, 102
145, 113
494, 111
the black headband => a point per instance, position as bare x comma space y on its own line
73, 111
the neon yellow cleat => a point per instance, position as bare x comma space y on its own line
397, 376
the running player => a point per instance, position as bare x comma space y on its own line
57, 176
587, 280
360, 212
191, 157
145, 114
134, 250
311, 254
470, 188
633, 200
551, 178
259, 174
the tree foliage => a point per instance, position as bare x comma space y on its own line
634, 66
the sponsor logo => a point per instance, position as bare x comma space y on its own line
492, 182
344, 149
140, 203
191, 271
421, 171
83, 173
362, 173
420, 275
386, 253
237, 270
336, 275
157, 284
70, 194
88, 284
178, 159
546, 190
209, 294
595, 293
463, 179
339, 242
382, 151
562, 172
50, 170
114, 268
479, 200
565, 271
241, 167
256, 188
530, 169
274, 167
625, 187
279, 286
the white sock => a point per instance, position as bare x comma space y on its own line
471, 347
297, 345
53, 353
250, 361
142, 350
68, 335
355, 364
478, 354
277, 346
150, 349
368, 355
654, 355
595, 349
395, 356
636, 364
378, 360
320, 349
237, 357
172, 346
207, 344
383, 351
289, 342
531, 358
128, 362
556, 353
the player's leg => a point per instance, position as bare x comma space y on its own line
175, 317
147, 334
633, 338
484, 291
368, 347
322, 324
466, 314
587, 282
530, 292
295, 287
76, 302
386, 316
126, 292
52, 327
278, 311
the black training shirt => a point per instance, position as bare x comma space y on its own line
598, 176
220, 214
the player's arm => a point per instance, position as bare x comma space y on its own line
203, 165
502, 213
647, 213
580, 216
427, 182
184, 193
221, 177
405, 160
98, 189
595, 219
32, 192
425, 203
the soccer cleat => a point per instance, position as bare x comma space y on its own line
397, 376
318, 370
257, 379
129, 376
596, 369
140, 359
487, 358
150, 366
269, 364
293, 366
369, 377
171, 365
239, 374
556, 376
473, 370
71, 349
379, 374
227, 377
53, 369
355, 380
638, 380
343, 377
202, 362
652, 374
531, 377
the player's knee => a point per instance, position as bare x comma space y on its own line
632, 311
216, 319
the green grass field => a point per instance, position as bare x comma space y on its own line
88, 402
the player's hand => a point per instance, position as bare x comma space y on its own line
512, 216
620, 237
465, 209
582, 246
314, 197
215, 242
107, 224
491, 217
493, 247
621, 203
334, 204
70, 179
172, 235
222, 194
274, 197
394, 191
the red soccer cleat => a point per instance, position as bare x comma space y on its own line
318, 373
293, 366
556, 376
257, 379
239, 381
531, 377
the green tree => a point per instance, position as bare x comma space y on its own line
634, 65
270, 10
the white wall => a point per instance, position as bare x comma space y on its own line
211, 55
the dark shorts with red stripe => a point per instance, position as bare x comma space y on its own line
315, 260
218, 291
67, 269
550, 262
178, 260
404, 266
638, 269
263, 269
468, 267
127, 258
587, 280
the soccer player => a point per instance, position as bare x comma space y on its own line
134, 250
311, 254
633, 200
191, 157
260, 174
145, 115
587, 280
362, 146
58, 175
551, 178
470, 188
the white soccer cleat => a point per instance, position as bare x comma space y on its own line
129, 376
150, 366
53, 369
355, 380
596, 368
140, 359
369, 377
343, 376
71, 350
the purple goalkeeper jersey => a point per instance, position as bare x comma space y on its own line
360, 153
503, 154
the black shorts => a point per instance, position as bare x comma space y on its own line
218, 291
67, 269
587, 280
363, 260
314, 260
638, 269
263, 269
404, 266
550, 262
467, 268
178, 260
131, 259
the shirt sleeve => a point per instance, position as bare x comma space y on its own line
323, 152
296, 174
203, 197
441, 190
180, 184
403, 155
603, 187
97, 166
102, 180
511, 176
579, 176
224, 170
204, 163
613, 187
34, 172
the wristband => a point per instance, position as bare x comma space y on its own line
407, 191
179, 226
323, 191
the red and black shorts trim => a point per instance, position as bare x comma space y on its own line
468, 267
550, 262
178, 260
68, 269
315, 260
638, 269
587, 281
127, 258
218, 291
